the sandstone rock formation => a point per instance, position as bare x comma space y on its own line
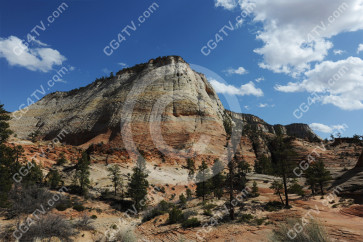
360, 161
161, 105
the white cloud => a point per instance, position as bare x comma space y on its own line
72, 68
123, 65
238, 71
327, 129
360, 48
338, 52
296, 33
263, 105
227, 4
339, 83
33, 58
247, 107
243, 90
259, 79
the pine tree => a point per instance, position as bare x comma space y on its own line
54, 179
218, 179
254, 191
115, 175
189, 194
277, 186
35, 175
138, 185
281, 154
82, 173
191, 168
317, 174
183, 200
8, 158
202, 181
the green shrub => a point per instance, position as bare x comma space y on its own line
191, 223
273, 206
245, 218
64, 204
175, 216
209, 206
78, 207
207, 212
94, 216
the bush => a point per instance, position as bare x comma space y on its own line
209, 206
273, 206
245, 218
26, 200
94, 216
64, 204
49, 226
78, 207
191, 223
313, 231
162, 208
175, 216
207, 212
187, 214
125, 234
84, 223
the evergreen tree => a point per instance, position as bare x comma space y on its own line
115, 175
138, 185
189, 194
35, 175
317, 174
254, 191
263, 165
82, 173
277, 186
183, 200
54, 179
217, 179
62, 159
191, 168
281, 154
8, 158
202, 181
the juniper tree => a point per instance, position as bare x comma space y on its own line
54, 179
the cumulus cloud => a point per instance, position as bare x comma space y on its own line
296, 33
339, 83
360, 48
243, 90
327, 129
227, 4
238, 71
39, 58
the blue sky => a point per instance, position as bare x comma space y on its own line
275, 58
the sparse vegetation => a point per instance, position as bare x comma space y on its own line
313, 231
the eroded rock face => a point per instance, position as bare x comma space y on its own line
360, 161
161, 107
164, 90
